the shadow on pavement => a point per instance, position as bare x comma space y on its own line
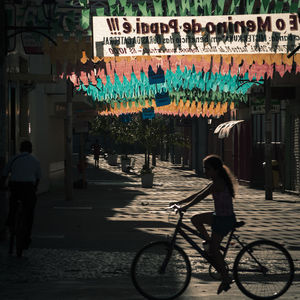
89, 222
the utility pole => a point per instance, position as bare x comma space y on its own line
268, 141
68, 143
3, 45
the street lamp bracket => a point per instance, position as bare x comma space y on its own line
49, 7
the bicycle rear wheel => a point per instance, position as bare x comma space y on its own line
158, 273
263, 270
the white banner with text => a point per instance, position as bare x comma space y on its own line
236, 34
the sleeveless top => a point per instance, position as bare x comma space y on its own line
223, 203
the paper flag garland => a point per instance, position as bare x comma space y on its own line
162, 99
189, 108
158, 77
148, 113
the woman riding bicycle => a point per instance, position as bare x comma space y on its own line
222, 220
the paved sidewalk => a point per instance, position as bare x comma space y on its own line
82, 249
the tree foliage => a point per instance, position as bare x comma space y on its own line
147, 134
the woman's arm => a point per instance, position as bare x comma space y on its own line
198, 197
192, 197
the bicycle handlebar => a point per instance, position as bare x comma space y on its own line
176, 208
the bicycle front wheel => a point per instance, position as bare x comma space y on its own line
263, 270
159, 271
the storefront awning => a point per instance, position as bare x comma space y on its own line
224, 129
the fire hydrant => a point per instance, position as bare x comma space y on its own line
275, 173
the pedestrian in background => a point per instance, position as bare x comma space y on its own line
96, 151
24, 174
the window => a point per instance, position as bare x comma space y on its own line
258, 128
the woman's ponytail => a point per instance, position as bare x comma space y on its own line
216, 162
229, 179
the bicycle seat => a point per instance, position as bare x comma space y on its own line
239, 224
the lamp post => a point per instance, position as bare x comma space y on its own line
3, 47
268, 141
68, 142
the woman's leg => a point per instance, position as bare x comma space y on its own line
220, 265
199, 221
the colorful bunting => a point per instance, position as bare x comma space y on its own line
162, 99
197, 85
192, 83
171, 8
66, 21
158, 8
85, 19
190, 108
148, 113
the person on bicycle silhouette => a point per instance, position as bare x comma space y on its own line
25, 174
223, 219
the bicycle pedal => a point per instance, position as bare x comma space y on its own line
205, 245
223, 287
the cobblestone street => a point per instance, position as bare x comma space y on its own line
96, 235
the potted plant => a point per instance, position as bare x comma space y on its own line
123, 133
147, 176
125, 162
112, 158
148, 137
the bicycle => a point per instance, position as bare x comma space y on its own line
18, 230
262, 269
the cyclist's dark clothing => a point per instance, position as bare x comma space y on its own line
25, 173
223, 203
96, 151
25, 192
223, 224
223, 217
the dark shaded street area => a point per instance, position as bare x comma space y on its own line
83, 249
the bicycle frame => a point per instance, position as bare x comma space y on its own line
244, 271
180, 229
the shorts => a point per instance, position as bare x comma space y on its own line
223, 224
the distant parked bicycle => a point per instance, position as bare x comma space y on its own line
262, 269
